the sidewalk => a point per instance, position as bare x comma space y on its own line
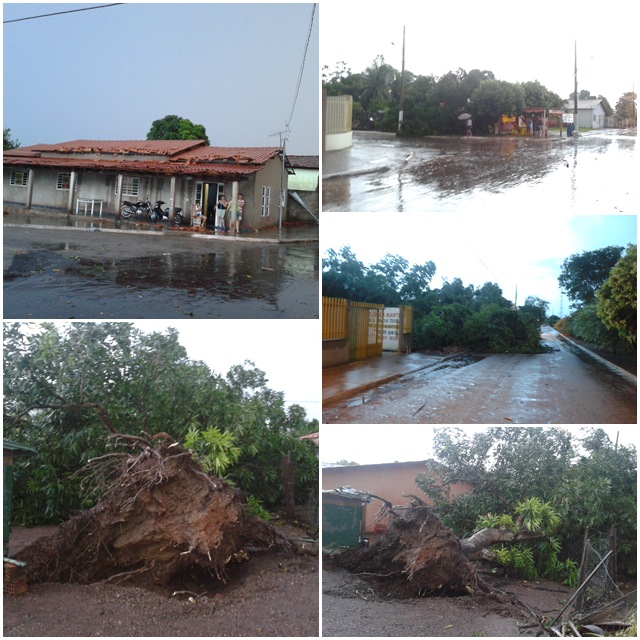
345, 381
107, 223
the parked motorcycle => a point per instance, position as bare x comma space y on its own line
164, 214
137, 209
143, 208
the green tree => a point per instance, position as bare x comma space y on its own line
617, 305
69, 389
536, 308
173, 127
377, 80
7, 141
588, 481
582, 274
537, 95
494, 98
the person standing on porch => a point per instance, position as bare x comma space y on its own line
221, 209
238, 212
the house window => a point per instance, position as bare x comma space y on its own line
18, 178
266, 201
130, 186
64, 182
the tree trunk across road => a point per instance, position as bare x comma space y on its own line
560, 386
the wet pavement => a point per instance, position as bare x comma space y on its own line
591, 173
563, 385
348, 380
78, 267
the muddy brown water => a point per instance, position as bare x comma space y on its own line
590, 174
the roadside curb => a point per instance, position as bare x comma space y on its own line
162, 232
609, 365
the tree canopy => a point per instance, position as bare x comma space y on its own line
431, 104
588, 481
476, 318
582, 274
7, 141
618, 297
602, 285
67, 388
176, 128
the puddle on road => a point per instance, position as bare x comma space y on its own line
269, 277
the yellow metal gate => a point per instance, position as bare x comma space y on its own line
366, 321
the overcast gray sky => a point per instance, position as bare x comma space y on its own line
107, 74
518, 42
374, 444
514, 251
288, 351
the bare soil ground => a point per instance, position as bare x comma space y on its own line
272, 594
353, 607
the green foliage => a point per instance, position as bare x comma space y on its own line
67, 387
431, 104
256, 508
537, 516
502, 521
581, 275
617, 305
176, 128
214, 450
455, 314
7, 141
518, 559
548, 479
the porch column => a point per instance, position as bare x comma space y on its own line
72, 188
30, 180
234, 197
172, 200
119, 197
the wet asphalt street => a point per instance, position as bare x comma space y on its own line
70, 272
561, 386
593, 173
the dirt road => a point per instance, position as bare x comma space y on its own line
270, 595
561, 386
99, 274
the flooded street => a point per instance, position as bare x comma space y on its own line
560, 386
592, 173
84, 274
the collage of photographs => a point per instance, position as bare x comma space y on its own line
319, 320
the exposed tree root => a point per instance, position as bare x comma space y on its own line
160, 516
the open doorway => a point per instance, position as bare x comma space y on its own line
211, 192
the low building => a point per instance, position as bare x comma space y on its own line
591, 114
393, 482
304, 189
180, 172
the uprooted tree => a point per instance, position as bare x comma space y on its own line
159, 516
421, 556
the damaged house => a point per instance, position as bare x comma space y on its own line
71, 176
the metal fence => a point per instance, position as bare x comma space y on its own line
339, 110
334, 318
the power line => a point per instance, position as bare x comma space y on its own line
304, 57
59, 13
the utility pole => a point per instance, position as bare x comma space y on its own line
401, 109
575, 87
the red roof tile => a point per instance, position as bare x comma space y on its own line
186, 157
121, 147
